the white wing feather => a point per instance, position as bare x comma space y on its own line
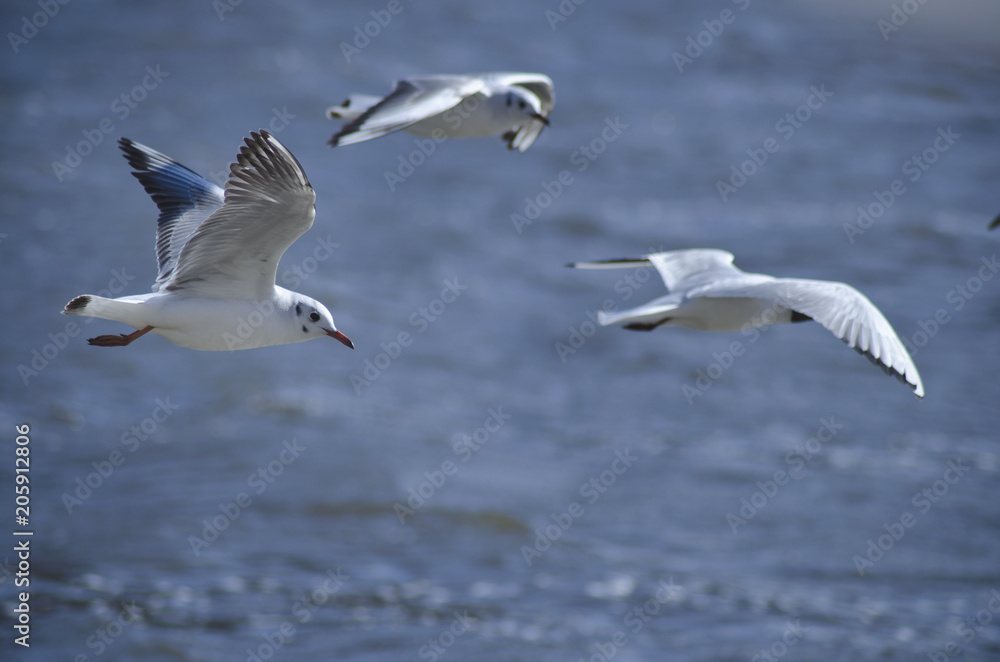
269, 203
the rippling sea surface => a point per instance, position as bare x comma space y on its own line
508, 481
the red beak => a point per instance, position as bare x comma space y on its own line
340, 336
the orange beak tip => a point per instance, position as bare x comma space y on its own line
337, 335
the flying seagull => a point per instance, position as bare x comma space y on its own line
218, 253
515, 106
707, 293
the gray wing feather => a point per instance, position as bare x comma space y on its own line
410, 102
269, 203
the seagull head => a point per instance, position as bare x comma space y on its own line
522, 102
314, 320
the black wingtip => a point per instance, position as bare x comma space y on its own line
258, 138
79, 303
892, 372
137, 159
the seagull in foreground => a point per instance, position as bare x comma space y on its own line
708, 293
514, 105
218, 253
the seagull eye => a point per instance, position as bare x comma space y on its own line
314, 316
521, 104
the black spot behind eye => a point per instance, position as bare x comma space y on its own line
314, 316
510, 98
304, 329
298, 309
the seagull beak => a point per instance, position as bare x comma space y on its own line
340, 336
542, 118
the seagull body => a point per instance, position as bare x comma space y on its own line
514, 105
218, 252
708, 293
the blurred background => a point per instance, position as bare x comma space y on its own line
508, 481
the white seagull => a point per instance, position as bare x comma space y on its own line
708, 293
514, 105
218, 253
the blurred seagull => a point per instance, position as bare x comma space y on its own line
708, 293
218, 253
513, 105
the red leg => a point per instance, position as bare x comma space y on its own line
119, 340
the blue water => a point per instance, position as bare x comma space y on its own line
509, 482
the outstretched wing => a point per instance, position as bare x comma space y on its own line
411, 101
184, 199
680, 270
843, 311
269, 203
538, 84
